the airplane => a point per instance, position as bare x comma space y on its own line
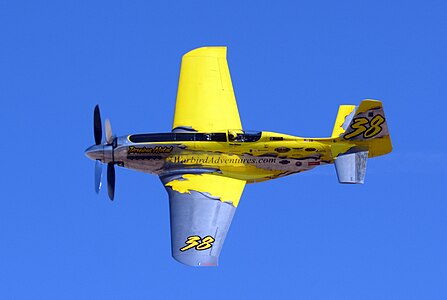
207, 159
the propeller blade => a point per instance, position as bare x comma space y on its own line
98, 176
111, 180
109, 134
97, 125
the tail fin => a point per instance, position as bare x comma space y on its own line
359, 134
344, 117
368, 129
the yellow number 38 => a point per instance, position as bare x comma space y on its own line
198, 243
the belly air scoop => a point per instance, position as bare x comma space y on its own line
351, 167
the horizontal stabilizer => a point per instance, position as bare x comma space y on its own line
351, 167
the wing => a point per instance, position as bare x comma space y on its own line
205, 96
202, 207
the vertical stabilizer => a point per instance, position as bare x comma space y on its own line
360, 134
369, 129
344, 117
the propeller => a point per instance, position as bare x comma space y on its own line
109, 134
97, 126
98, 176
97, 130
111, 180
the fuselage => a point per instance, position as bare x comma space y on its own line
250, 156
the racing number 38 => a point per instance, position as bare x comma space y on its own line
198, 243
368, 128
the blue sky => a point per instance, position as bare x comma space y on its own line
292, 64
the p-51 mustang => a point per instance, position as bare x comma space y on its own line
207, 159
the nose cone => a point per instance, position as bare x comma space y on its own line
95, 152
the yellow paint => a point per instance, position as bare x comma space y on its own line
380, 143
339, 148
196, 242
239, 166
377, 143
205, 96
343, 112
367, 105
249, 161
225, 188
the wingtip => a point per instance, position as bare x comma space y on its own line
197, 260
208, 51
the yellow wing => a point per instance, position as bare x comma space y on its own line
223, 188
205, 96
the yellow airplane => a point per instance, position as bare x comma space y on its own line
207, 159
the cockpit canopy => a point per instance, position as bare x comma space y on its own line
180, 137
233, 136
243, 136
